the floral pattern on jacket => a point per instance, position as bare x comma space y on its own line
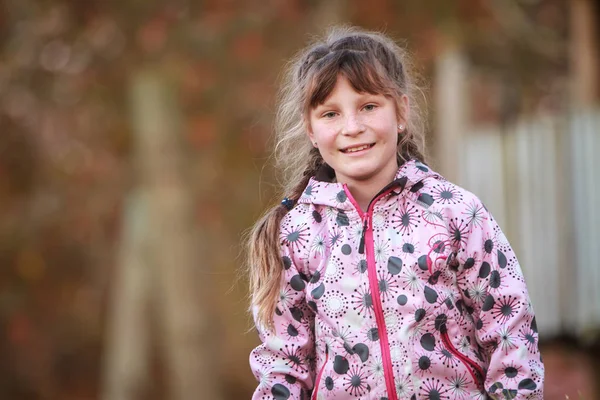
419, 297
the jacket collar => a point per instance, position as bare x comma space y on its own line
322, 189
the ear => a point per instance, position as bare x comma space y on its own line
403, 110
309, 131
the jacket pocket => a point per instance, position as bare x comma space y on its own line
320, 375
474, 369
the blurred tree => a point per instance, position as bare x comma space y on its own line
181, 280
161, 260
128, 348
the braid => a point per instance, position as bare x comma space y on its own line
408, 148
264, 249
315, 162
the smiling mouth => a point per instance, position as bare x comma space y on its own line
357, 148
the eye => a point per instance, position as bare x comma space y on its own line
370, 107
329, 114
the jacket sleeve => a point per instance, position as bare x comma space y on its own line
283, 363
493, 287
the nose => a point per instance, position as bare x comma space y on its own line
352, 125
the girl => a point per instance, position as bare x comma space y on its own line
376, 278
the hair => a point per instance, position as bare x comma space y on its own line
372, 63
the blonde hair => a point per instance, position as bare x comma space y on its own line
372, 63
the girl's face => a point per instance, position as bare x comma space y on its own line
357, 134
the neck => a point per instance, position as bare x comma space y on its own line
364, 191
363, 196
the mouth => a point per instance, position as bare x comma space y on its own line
357, 149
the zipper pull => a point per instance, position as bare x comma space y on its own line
361, 247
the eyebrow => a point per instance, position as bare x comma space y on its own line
365, 95
324, 105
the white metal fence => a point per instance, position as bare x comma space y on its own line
541, 180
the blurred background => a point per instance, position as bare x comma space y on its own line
134, 153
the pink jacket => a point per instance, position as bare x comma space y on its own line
420, 297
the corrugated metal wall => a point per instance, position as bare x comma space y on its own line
584, 134
541, 180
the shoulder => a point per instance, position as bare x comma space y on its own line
301, 217
461, 212
298, 230
450, 197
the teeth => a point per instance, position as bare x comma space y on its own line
354, 149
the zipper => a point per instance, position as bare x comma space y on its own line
470, 364
361, 247
367, 241
320, 375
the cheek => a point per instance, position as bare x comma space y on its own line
387, 131
324, 134
384, 123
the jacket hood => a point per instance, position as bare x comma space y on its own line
322, 190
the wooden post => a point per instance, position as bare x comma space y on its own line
584, 54
450, 110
